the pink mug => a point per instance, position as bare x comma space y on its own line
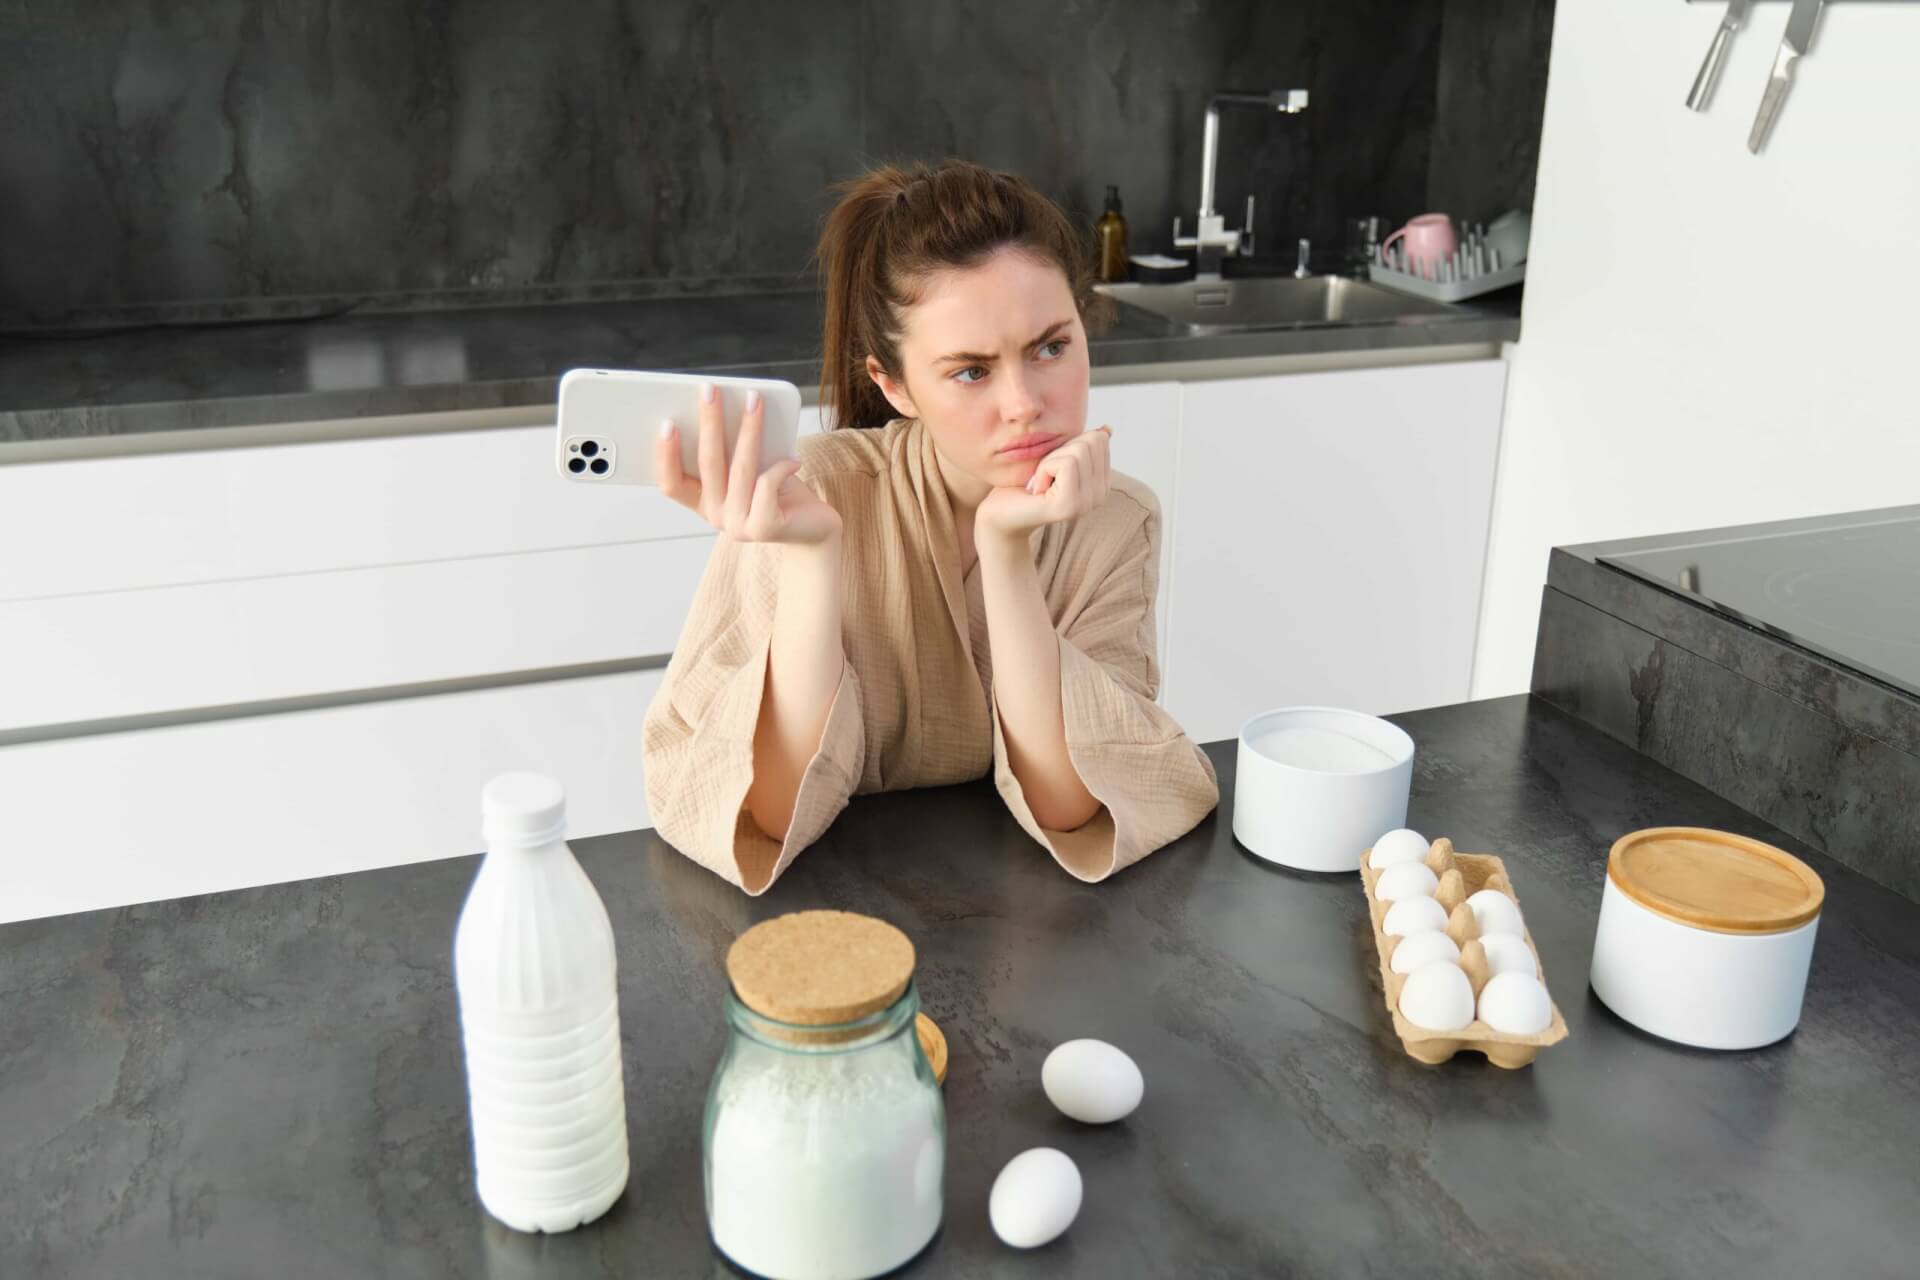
1430, 242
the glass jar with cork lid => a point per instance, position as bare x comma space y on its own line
825, 1136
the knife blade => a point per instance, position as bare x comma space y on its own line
1709, 74
1793, 47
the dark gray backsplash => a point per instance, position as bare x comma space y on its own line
235, 149
1492, 94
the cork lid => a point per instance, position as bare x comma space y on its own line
816, 968
1715, 880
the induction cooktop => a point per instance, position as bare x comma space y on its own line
1846, 587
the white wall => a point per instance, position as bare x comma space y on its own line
1710, 337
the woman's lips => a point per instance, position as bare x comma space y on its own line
1027, 448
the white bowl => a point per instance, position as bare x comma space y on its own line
1314, 787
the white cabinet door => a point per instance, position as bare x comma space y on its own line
1145, 418
114, 818
216, 515
1332, 537
118, 654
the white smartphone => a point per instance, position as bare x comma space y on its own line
610, 419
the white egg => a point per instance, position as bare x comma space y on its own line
1418, 949
1035, 1198
1509, 953
1515, 1003
1495, 912
1414, 915
1408, 880
1092, 1081
1437, 997
1397, 847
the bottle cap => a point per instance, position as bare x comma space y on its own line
1113, 199
522, 809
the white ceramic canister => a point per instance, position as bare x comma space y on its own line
1314, 787
1705, 937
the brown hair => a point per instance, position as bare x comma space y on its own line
893, 228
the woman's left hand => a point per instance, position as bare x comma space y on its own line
1070, 481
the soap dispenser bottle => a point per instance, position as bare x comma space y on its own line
1110, 235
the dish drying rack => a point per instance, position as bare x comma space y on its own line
1474, 269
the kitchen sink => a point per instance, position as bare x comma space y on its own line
1223, 306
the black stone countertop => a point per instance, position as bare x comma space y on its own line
268, 1082
399, 363
1710, 691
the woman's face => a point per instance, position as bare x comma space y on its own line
994, 359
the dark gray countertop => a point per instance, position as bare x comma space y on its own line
269, 1082
1709, 690
401, 363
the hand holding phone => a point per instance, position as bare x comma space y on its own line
609, 418
731, 492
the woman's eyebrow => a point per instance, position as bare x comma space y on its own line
975, 357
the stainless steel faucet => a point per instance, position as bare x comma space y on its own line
1213, 232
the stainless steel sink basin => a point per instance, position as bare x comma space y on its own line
1223, 306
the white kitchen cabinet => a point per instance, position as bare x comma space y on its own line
214, 578
113, 818
156, 520
110, 655
1145, 418
223, 581
1331, 539
1322, 541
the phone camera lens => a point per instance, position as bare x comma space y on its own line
576, 465
599, 466
589, 448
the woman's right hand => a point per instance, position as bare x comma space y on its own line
774, 505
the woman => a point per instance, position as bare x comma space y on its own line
949, 580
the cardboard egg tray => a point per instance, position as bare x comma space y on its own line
1461, 876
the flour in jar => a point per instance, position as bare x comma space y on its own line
821, 1166
1321, 750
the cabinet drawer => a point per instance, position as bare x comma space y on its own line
132, 817
113, 524
138, 653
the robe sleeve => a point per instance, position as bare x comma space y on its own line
697, 746
1153, 784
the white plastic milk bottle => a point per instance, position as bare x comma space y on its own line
540, 1018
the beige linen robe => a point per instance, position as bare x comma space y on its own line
914, 707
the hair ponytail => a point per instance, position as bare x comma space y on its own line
894, 227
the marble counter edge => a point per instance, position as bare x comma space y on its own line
1857, 702
47, 434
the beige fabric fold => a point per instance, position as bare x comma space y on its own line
914, 707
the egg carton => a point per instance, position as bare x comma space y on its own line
1461, 876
